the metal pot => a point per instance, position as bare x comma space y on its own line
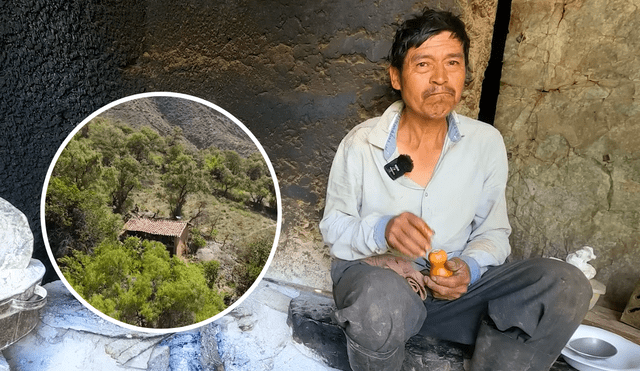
20, 308
18, 317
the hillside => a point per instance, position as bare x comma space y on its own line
202, 126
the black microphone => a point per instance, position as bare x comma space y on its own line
399, 166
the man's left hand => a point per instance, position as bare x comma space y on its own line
453, 287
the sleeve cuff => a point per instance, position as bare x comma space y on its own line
379, 231
474, 268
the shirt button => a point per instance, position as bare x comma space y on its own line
426, 194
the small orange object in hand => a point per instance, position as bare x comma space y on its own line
437, 258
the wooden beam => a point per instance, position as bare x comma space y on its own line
609, 319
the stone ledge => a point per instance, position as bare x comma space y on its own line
311, 324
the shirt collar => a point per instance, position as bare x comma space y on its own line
395, 112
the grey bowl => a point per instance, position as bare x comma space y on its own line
592, 348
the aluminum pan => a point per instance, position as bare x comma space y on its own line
19, 317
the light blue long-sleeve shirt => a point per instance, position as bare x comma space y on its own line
464, 202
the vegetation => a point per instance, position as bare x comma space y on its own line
255, 257
110, 172
138, 283
182, 177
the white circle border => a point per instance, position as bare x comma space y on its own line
278, 207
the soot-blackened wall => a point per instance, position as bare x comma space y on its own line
298, 74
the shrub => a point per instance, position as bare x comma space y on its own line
255, 257
138, 283
196, 241
211, 271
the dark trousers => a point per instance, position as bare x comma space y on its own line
519, 315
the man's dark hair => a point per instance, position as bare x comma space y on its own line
415, 31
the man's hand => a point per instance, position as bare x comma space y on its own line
453, 287
409, 234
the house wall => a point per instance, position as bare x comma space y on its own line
171, 243
181, 243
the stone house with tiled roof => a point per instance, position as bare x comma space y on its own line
172, 233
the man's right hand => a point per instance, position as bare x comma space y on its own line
409, 234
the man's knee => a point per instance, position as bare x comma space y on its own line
373, 283
379, 311
578, 291
572, 288
542, 293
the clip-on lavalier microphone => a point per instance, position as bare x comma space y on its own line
399, 166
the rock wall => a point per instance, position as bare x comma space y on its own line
59, 62
569, 110
299, 74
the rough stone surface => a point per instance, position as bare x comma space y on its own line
60, 62
159, 358
568, 109
95, 344
311, 324
185, 351
211, 360
299, 74
15, 236
309, 318
255, 335
303, 245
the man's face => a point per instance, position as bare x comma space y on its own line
432, 77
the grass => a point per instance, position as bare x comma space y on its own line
222, 222
219, 219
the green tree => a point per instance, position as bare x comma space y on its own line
213, 160
138, 283
255, 257
176, 137
233, 162
138, 145
260, 190
121, 179
77, 219
157, 144
256, 167
211, 271
108, 138
229, 171
183, 177
196, 241
79, 163
259, 183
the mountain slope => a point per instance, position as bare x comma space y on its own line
202, 126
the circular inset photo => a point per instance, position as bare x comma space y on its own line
161, 212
